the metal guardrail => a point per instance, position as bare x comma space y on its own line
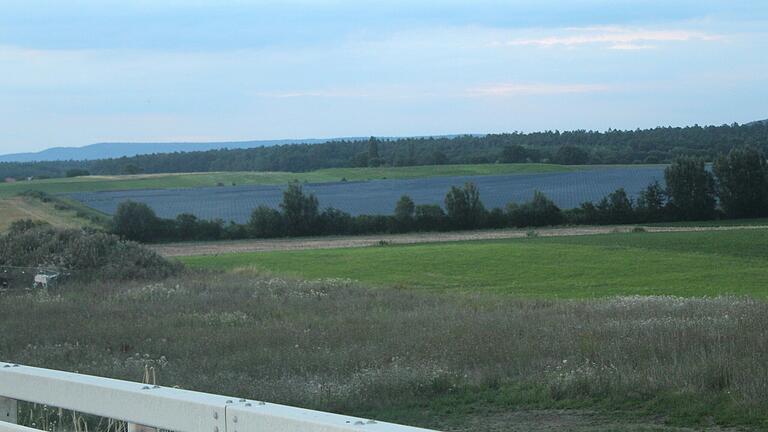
165, 408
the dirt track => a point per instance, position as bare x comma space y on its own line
223, 247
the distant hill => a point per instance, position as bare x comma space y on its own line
117, 150
762, 122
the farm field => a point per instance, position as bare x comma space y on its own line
193, 180
193, 248
17, 208
706, 263
465, 363
235, 203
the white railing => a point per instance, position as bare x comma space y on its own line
162, 407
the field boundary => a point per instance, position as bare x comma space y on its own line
308, 243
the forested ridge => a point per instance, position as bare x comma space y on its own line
657, 145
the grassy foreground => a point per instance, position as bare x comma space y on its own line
435, 360
707, 263
190, 180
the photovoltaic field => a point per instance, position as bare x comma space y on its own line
235, 203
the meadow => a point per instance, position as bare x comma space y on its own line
192, 180
478, 363
614, 332
706, 263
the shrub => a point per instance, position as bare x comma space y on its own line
87, 254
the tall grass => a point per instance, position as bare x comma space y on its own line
405, 356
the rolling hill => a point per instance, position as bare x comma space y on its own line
117, 150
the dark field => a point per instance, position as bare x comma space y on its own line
235, 203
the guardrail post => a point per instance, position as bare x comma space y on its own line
9, 410
132, 427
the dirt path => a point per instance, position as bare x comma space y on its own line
223, 247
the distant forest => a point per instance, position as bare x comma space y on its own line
658, 145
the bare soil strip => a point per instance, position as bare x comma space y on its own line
268, 245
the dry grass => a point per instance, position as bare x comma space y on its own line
411, 357
17, 208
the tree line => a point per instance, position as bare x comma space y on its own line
736, 186
657, 145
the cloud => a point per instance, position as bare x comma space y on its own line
612, 38
523, 89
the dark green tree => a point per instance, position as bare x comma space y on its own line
131, 169
404, 214
136, 221
430, 217
438, 158
336, 222
651, 203
691, 189
77, 172
186, 226
539, 211
374, 159
514, 154
464, 208
571, 155
742, 183
617, 207
300, 211
266, 222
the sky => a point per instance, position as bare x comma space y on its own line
85, 71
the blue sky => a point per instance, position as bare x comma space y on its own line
78, 72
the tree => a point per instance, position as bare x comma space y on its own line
571, 155
131, 169
429, 217
404, 212
691, 189
439, 158
464, 208
539, 211
77, 172
336, 222
616, 207
651, 203
742, 182
374, 159
360, 160
186, 226
266, 222
514, 154
136, 221
300, 211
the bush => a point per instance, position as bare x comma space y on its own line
86, 254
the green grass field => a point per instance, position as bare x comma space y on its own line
681, 264
190, 180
